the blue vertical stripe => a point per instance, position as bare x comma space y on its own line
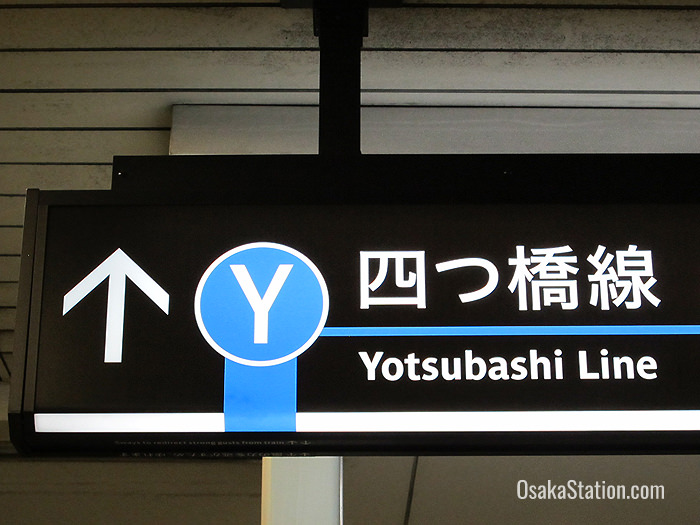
260, 398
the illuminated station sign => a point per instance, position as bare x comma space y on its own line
195, 325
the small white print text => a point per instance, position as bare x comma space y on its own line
574, 489
533, 365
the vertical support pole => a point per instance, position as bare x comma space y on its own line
301, 491
340, 27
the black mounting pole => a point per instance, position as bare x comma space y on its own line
340, 27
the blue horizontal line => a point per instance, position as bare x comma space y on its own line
408, 331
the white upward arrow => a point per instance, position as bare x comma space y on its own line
117, 267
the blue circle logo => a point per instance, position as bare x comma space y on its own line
261, 304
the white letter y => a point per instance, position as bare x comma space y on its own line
261, 306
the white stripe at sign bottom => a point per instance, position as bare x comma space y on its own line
130, 423
502, 421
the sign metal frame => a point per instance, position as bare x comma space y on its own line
507, 179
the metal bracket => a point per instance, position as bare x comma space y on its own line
340, 27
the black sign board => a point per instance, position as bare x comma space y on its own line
487, 309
